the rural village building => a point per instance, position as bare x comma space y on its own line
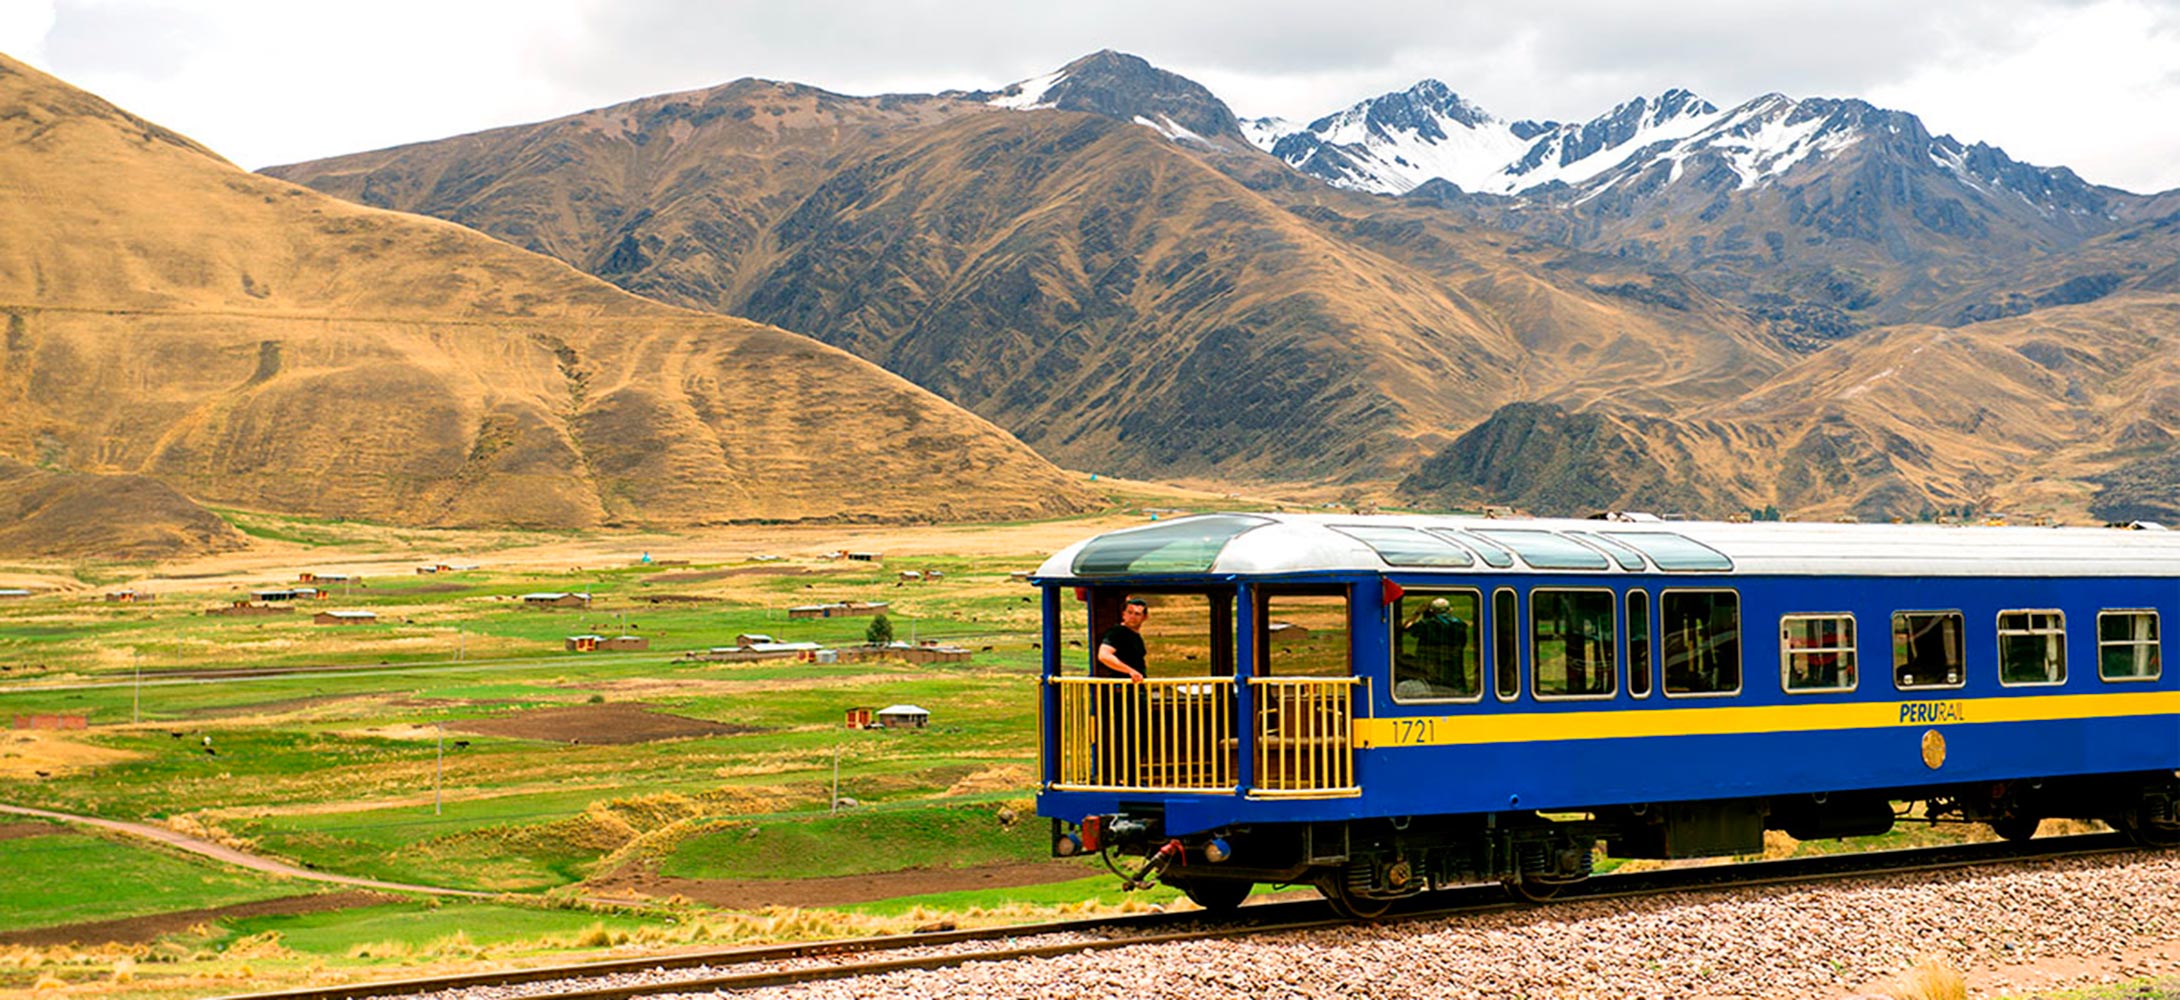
127, 596
922, 652
251, 608
903, 717
52, 721
837, 609
344, 618
556, 599
592, 643
13, 592
758, 651
288, 594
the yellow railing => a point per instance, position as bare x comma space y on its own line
1304, 736
1164, 734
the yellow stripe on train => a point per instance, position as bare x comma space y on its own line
1720, 720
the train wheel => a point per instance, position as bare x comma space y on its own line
1351, 904
1218, 895
2016, 828
2146, 829
1532, 889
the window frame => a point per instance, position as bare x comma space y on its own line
1543, 561
1502, 626
1740, 645
1613, 602
1650, 654
1999, 632
1260, 629
1392, 653
1786, 653
2157, 644
1893, 654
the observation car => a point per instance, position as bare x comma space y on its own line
1671, 689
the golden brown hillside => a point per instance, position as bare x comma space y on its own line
79, 515
2071, 412
1119, 301
258, 344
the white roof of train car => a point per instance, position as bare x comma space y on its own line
1303, 543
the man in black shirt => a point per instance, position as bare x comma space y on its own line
1120, 649
1121, 711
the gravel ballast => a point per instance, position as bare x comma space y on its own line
2014, 929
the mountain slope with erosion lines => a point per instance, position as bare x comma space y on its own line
254, 343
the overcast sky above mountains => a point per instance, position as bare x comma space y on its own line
2089, 85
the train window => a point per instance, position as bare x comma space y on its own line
1638, 643
2031, 647
1494, 556
1926, 649
1817, 652
2127, 645
1506, 643
1407, 546
1571, 644
1544, 549
1628, 558
1304, 634
1437, 646
1700, 636
1673, 553
1187, 545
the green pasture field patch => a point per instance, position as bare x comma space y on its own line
335, 933
1102, 889
860, 842
424, 617
72, 878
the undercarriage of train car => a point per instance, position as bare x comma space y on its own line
1363, 866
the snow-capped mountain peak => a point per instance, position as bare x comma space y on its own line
1394, 142
1128, 88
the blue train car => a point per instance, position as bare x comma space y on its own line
1379, 704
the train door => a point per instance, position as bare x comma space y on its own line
1303, 680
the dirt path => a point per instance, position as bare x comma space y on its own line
139, 930
228, 855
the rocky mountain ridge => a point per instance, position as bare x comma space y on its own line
1131, 286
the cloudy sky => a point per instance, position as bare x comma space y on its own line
2090, 84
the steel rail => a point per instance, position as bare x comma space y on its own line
1146, 929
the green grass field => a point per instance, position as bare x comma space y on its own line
71, 878
343, 771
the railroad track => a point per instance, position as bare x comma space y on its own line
780, 965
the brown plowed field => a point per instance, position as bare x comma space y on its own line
596, 724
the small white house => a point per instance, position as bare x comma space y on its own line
903, 717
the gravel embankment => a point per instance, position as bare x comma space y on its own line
2013, 929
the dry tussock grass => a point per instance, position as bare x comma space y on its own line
195, 825
1932, 977
1002, 778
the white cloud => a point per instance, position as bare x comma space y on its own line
23, 27
2094, 88
2084, 83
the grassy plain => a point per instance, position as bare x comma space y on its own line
455, 744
